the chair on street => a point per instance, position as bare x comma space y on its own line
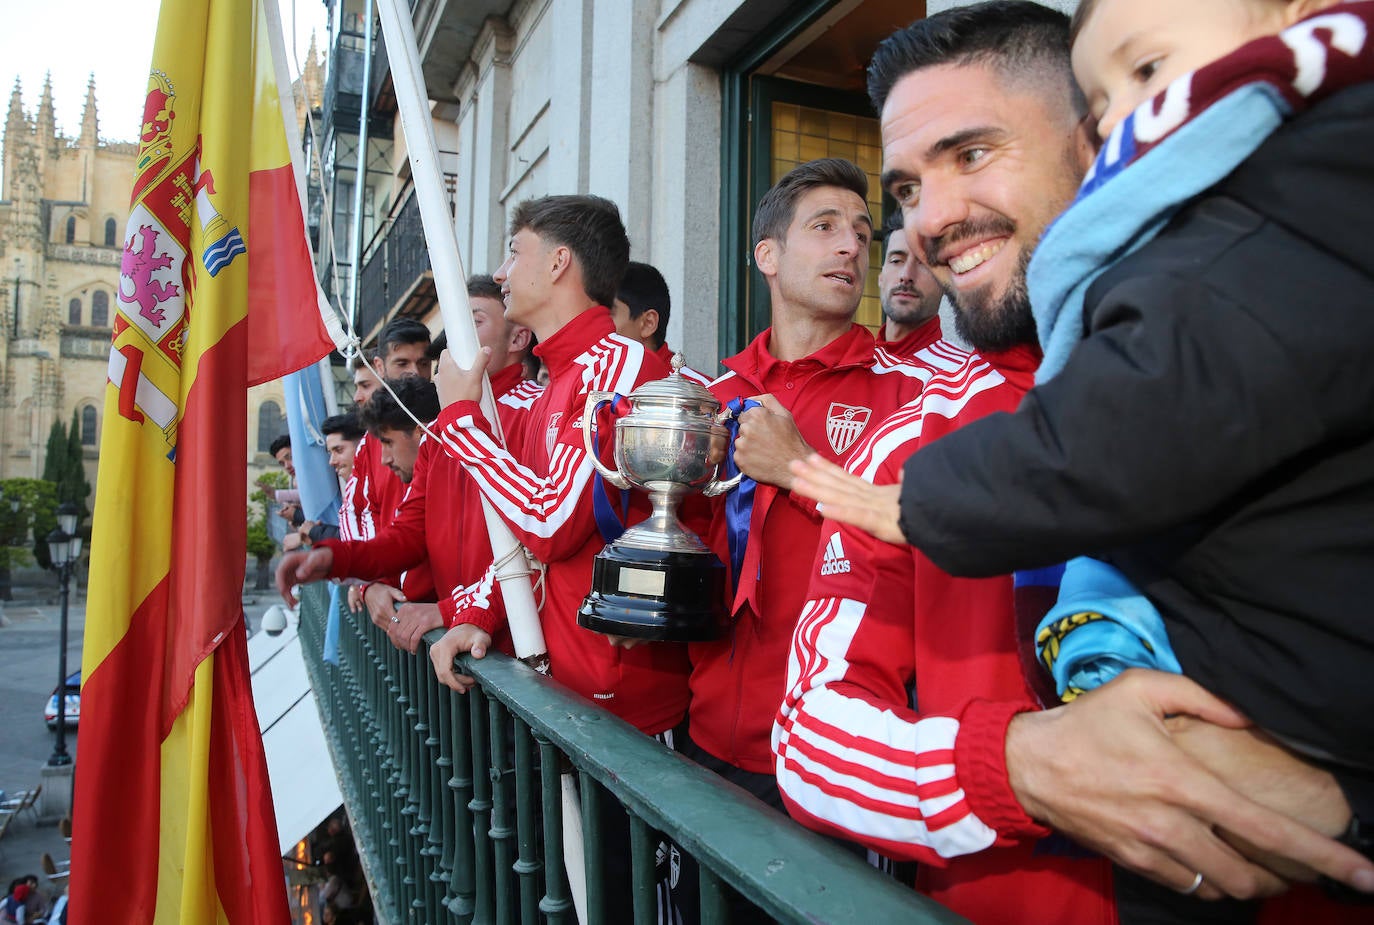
23, 800
52, 871
6, 817
64, 826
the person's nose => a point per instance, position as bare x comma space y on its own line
942, 206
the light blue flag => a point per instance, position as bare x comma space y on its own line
331, 627
306, 409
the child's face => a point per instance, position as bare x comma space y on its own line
1130, 50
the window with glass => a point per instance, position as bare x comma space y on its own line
270, 425
88, 426
100, 308
74, 312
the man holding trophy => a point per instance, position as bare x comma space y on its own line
567, 254
820, 385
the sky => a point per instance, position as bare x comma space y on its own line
112, 39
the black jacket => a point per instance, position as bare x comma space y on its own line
1213, 438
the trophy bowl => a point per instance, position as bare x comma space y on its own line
658, 580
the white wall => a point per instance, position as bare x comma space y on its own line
599, 96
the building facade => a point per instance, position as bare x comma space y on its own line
62, 231
681, 111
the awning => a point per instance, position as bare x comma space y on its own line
304, 788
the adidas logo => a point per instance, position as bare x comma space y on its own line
834, 562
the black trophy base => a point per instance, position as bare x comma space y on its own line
664, 596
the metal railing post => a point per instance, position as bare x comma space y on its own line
528, 866
464, 883
485, 913
557, 903
502, 827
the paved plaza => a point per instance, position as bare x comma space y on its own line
29, 633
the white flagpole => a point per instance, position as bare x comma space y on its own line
276, 38
450, 284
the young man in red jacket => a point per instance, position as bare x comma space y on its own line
373, 492
641, 310
821, 384
567, 254
440, 520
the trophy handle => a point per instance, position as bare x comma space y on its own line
719, 486
594, 402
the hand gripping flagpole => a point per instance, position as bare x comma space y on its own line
450, 285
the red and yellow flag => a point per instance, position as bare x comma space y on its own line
173, 818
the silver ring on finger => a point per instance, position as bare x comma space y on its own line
398, 620
1192, 888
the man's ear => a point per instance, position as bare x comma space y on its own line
560, 259
648, 323
379, 366
765, 256
1086, 143
519, 338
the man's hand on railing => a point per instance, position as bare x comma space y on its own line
300, 567
462, 638
381, 601
410, 622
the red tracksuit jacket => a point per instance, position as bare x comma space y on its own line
835, 395
929, 783
440, 520
542, 487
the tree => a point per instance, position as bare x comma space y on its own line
261, 546
75, 487
55, 456
37, 512
64, 464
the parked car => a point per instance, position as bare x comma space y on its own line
73, 707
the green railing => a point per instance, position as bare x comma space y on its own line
456, 800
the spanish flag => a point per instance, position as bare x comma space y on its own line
173, 819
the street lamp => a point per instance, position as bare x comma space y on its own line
64, 547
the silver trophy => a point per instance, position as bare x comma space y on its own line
659, 580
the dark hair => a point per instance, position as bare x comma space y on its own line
346, 425
644, 288
401, 331
532, 362
893, 223
382, 412
358, 362
1017, 37
779, 205
281, 443
588, 226
482, 286
437, 346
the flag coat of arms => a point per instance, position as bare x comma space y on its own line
217, 292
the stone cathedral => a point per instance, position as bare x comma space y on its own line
62, 228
